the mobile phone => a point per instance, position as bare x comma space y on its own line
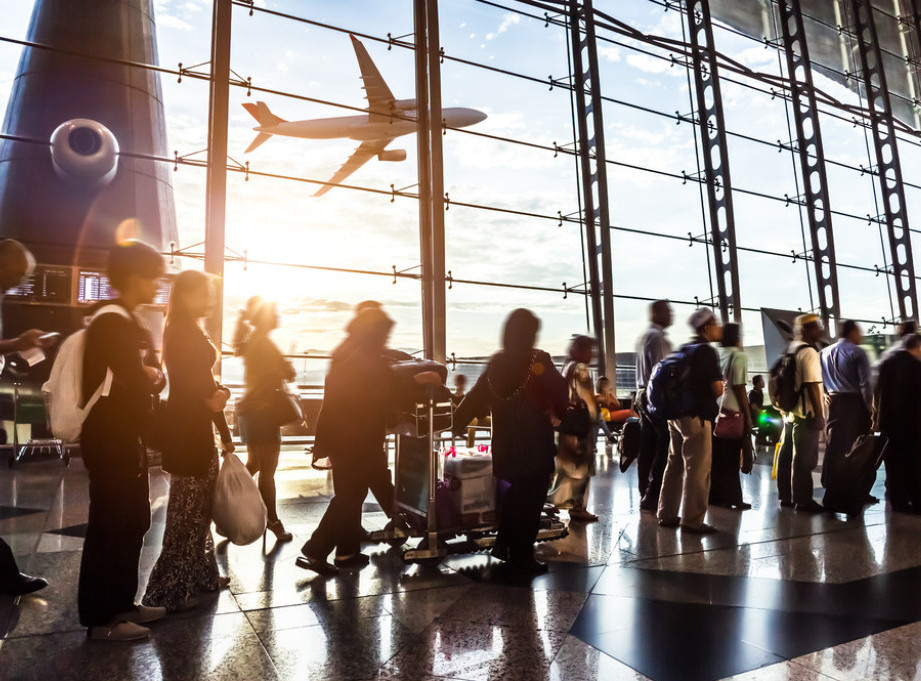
53, 335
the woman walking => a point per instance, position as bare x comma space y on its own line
187, 565
575, 460
265, 372
733, 424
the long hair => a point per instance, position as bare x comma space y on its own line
257, 317
186, 282
732, 334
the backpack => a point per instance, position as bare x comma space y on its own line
63, 390
782, 388
669, 388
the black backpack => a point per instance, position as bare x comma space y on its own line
782, 381
669, 388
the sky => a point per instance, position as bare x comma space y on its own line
279, 220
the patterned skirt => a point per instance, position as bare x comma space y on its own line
186, 565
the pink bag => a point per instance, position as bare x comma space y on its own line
729, 425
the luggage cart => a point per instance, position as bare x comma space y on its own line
417, 466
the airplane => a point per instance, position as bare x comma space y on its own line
375, 130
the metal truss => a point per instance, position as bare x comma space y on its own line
712, 128
811, 157
593, 165
889, 169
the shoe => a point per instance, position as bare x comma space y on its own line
812, 507
703, 528
120, 631
318, 565
669, 522
499, 551
223, 583
787, 504
142, 614
581, 515
356, 560
529, 565
278, 529
743, 506
21, 585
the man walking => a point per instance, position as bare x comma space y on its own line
846, 376
651, 347
686, 481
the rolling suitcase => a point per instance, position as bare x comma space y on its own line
853, 478
628, 446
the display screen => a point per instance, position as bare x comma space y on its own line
44, 285
93, 286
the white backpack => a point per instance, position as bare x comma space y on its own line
64, 388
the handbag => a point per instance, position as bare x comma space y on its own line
237, 507
576, 420
729, 425
284, 407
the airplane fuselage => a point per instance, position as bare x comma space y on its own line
364, 129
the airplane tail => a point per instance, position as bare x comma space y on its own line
260, 138
260, 111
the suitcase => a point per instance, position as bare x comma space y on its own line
853, 478
628, 446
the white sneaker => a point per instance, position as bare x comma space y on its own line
121, 631
143, 614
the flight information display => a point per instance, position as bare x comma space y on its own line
45, 285
93, 286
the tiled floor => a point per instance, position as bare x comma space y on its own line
776, 595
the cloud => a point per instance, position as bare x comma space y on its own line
609, 52
507, 21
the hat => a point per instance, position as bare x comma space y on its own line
369, 321
806, 319
700, 318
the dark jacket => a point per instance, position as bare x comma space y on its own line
898, 396
522, 404
705, 371
265, 370
361, 392
188, 437
111, 434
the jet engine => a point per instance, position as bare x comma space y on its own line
392, 155
84, 152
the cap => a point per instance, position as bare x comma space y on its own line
700, 318
806, 319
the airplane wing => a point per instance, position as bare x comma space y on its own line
380, 98
364, 153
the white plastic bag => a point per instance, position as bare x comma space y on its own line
237, 509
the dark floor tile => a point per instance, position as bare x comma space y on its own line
78, 531
15, 512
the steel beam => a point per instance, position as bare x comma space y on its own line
889, 169
216, 183
431, 179
593, 165
811, 157
712, 127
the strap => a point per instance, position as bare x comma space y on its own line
106, 387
